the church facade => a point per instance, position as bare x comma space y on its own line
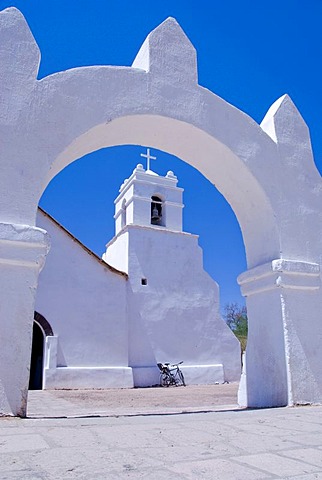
107, 322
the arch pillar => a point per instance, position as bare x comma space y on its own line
278, 295
22, 255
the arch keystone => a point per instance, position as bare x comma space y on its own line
167, 52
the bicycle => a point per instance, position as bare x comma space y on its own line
167, 377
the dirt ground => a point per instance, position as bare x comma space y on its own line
136, 401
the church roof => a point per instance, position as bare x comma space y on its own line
87, 250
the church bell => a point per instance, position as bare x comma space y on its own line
155, 214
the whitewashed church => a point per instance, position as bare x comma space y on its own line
102, 323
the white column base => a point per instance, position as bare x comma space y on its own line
87, 378
193, 374
283, 362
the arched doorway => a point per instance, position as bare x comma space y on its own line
221, 166
41, 329
37, 358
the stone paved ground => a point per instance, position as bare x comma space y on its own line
281, 443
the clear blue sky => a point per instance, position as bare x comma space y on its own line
249, 53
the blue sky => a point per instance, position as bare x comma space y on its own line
249, 53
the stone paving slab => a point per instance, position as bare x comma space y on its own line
281, 443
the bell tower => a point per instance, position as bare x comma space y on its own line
147, 199
147, 202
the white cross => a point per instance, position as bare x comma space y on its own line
148, 158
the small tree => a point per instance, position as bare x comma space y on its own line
236, 318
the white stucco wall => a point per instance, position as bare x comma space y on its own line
112, 256
85, 304
111, 332
175, 317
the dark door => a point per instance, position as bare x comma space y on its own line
37, 358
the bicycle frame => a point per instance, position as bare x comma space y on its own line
167, 377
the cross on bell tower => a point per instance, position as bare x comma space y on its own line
148, 157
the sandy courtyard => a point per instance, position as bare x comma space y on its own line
136, 401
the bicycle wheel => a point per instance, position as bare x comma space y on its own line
175, 380
181, 378
164, 380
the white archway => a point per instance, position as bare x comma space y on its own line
265, 172
213, 159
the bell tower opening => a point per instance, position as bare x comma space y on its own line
123, 214
156, 210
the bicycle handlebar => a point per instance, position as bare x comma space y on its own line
167, 364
